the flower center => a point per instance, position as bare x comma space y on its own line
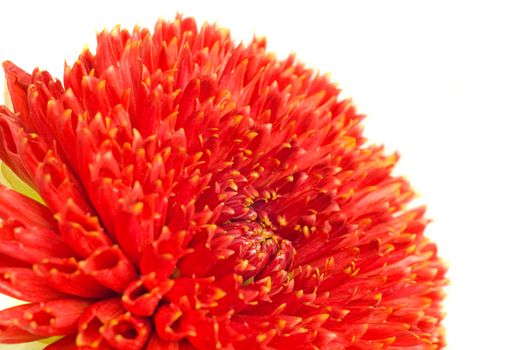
261, 251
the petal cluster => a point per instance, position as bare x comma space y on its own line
191, 193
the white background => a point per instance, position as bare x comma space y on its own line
442, 82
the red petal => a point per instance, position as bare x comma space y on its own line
17, 82
56, 184
168, 325
65, 276
11, 334
24, 284
135, 228
81, 230
57, 317
9, 131
110, 267
127, 332
17, 206
142, 296
92, 322
31, 245
161, 256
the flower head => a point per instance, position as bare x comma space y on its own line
189, 193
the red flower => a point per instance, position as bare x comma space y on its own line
202, 195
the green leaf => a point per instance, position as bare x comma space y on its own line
11, 180
49, 340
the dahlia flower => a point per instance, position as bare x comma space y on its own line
179, 191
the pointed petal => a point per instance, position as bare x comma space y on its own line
127, 332
31, 245
9, 131
11, 135
43, 96
91, 323
17, 206
24, 284
110, 267
66, 276
161, 256
142, 296
168, 323
18, 82
81, 230
11, 334
56, 184
57, 317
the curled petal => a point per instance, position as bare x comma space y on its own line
65, 276
56, 184
17, 82
161, 256
110, 267
9, 134
42, 96
57, 317
153, 260
168, 323
31, 244
81, 230
136, 227
127, 332
91, 323
24, 284
199, 292
142, 296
